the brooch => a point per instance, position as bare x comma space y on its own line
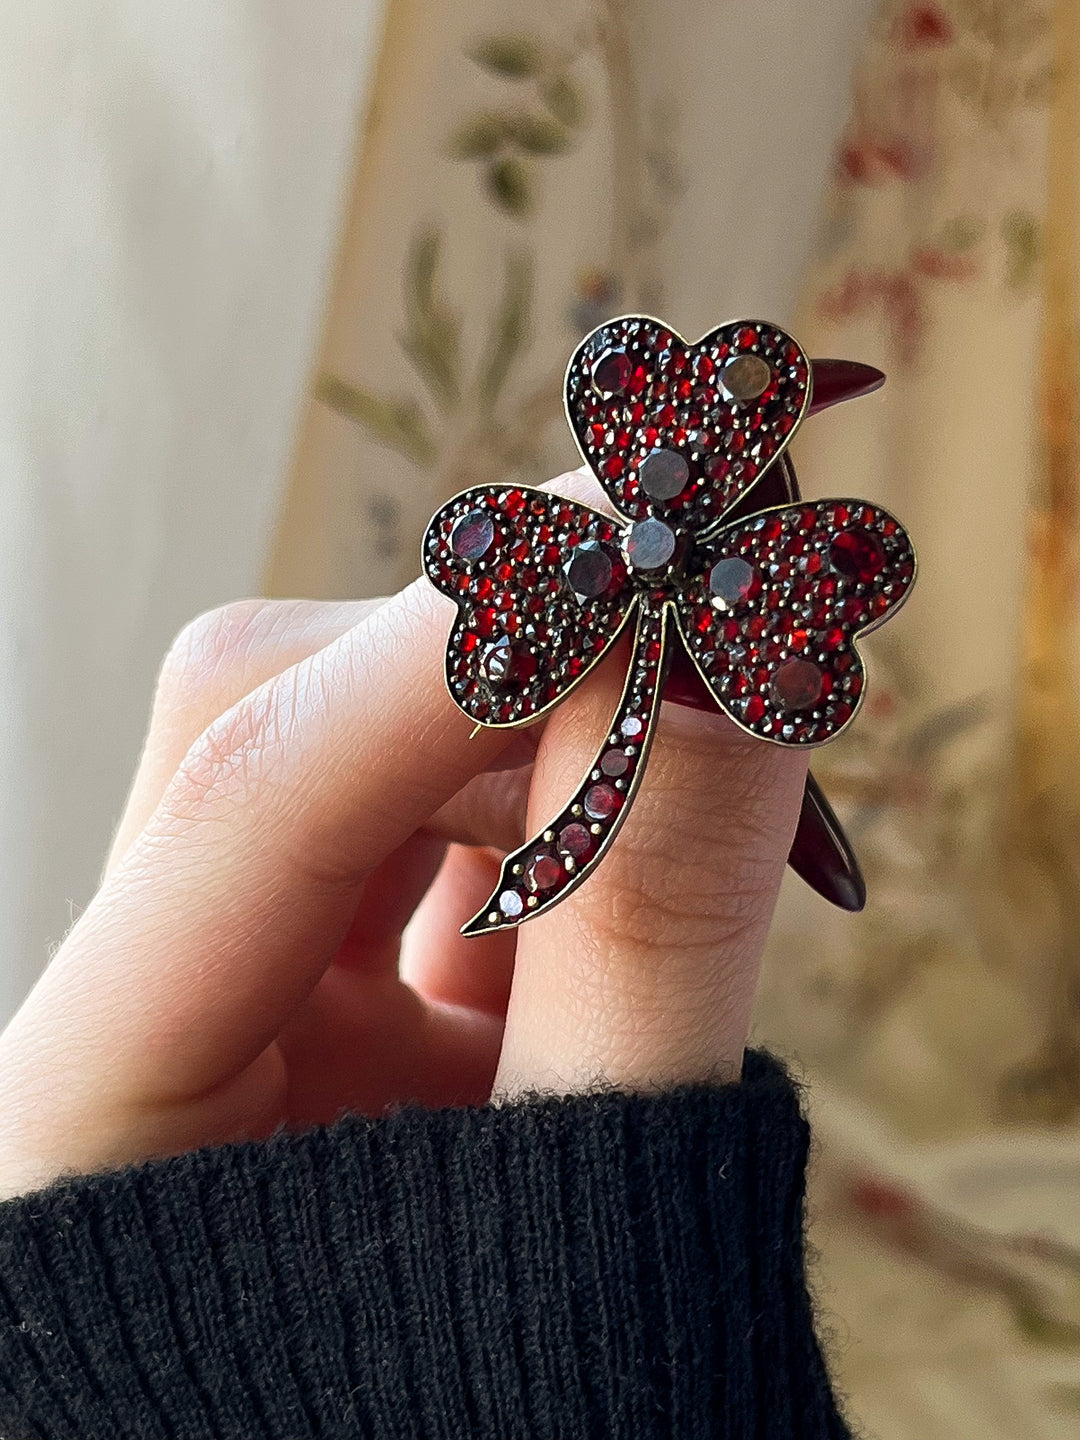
712, 547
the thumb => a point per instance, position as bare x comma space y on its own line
645, 976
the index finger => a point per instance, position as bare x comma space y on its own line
226, 910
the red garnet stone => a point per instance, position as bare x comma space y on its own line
857, 555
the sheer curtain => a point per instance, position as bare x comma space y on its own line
171, 181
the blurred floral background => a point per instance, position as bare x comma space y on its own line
898, 183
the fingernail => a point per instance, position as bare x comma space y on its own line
836, 380
821, 853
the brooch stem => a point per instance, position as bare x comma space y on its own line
546, 868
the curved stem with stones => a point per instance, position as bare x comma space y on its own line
546, 868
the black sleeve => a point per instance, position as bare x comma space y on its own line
602, 1267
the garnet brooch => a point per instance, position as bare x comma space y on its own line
768, 593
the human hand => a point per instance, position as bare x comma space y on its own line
275, 939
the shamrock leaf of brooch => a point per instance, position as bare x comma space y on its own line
768, 605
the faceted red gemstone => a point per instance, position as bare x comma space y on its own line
472, 536
511, 622
857, 555
755, 627
483, 621
504, 571
525, 665
704, 368
597, 434
754, 709
519, 550
665, 415
602, 802
731, 631
513, 502
841, 713
796, 685
810, 564
543, 872
613, 467
469, 641
799, 639
611, 373
615, 763
703, 619
637, 413
483, 587
498, 662
718, 467
577, 841
747, 337
551, 555
772, 528
839, 515
834, 638
636, 383
684, 389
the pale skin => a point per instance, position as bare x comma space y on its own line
275, 939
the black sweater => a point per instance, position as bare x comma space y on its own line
603, 1267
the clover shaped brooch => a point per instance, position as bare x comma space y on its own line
768, 593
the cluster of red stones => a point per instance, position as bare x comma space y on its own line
776, 603
523, 636
542, 870
634, 387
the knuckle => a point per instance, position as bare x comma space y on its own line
233, 758
207, 648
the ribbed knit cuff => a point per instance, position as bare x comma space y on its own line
606, 1265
